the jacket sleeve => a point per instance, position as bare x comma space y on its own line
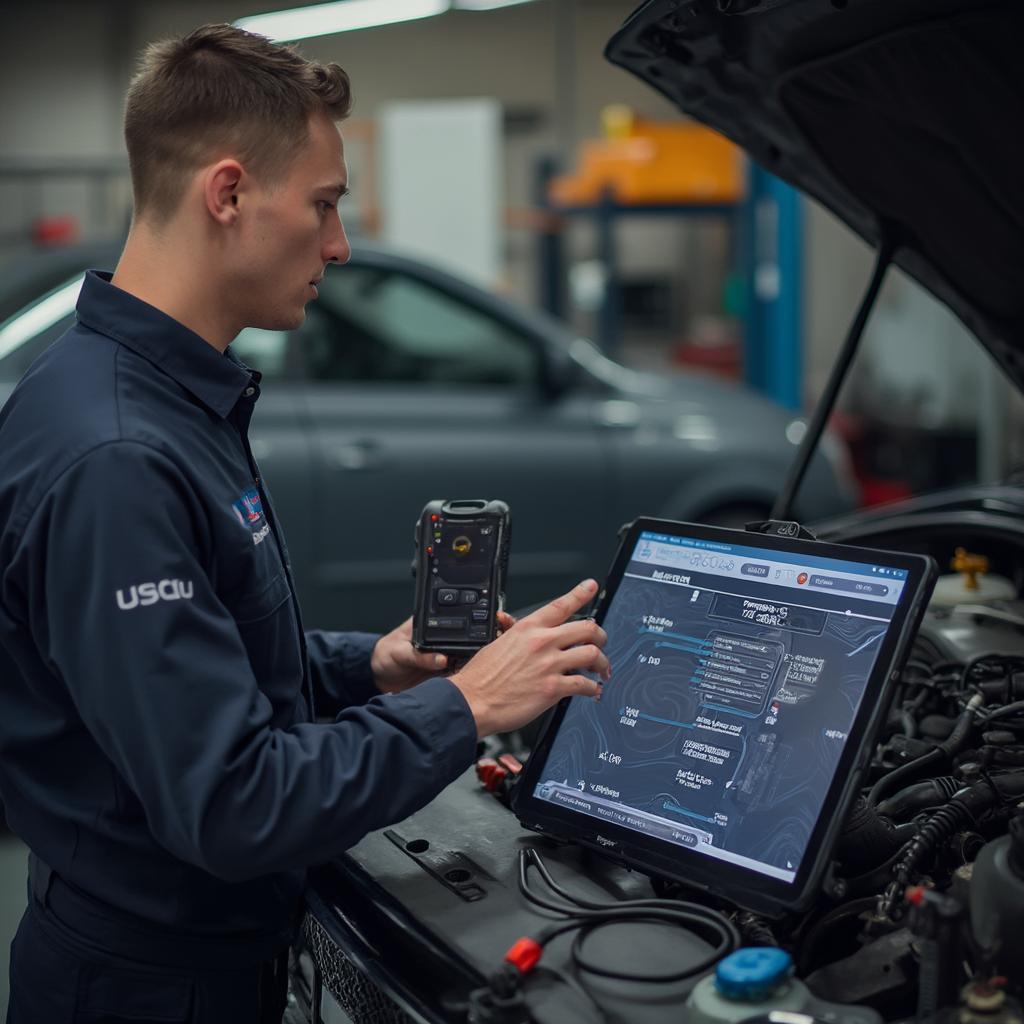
340, 667
166, 689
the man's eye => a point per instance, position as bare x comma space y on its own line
324, 205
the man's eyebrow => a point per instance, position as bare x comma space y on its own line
336, 188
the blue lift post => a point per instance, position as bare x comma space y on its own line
773, 270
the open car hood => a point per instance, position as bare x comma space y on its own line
903, 117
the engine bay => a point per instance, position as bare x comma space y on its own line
922, 912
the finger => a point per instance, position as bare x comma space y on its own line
505, 621
559, 610
405, 629
425, 661
586, 656
578, 686
582, 631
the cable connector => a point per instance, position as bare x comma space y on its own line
497, 775
524, 954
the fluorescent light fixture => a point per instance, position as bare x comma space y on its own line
39, 317
486, 5
340, 16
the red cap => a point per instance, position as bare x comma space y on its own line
915, 895
524, 954
490, 773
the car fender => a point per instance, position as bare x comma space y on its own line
732, 484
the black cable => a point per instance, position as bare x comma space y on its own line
1009, 709
891, 780
586, 917
953, 744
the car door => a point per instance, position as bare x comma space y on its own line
414, 393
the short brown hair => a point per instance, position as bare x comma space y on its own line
221, 88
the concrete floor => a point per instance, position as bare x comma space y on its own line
13, 873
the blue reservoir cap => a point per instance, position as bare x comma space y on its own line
753, 973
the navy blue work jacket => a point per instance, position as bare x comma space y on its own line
157, 748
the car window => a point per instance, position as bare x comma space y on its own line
381, 326
27, 334
262, 350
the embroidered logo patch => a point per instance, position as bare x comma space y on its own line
249, 512
249, 507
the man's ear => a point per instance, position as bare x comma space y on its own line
222, 185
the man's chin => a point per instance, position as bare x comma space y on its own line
284, 321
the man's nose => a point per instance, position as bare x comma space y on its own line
337, 249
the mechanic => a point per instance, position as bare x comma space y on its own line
159, 749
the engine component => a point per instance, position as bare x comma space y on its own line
936, 922
919, 796
758, 981
953, 744
882, 974
868, 838
970, 583
959, 814
997, 899
985, 1002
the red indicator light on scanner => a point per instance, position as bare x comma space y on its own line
430, 550
434, 518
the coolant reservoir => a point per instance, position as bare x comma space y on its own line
756, 984
971, 583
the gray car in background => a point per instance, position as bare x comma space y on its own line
406, 384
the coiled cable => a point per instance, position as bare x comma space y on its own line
585, 917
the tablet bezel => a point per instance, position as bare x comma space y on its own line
744, 887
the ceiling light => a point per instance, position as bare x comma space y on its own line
340, 16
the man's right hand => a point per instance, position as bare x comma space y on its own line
535, 664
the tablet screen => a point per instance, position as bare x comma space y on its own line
738, 671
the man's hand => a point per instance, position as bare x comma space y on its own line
534, 664
397, 665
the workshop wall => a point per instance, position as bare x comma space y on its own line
64, 67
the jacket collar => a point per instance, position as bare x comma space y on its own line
218, 381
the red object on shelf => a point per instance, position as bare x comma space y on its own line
724, 360
878, 491
55, 230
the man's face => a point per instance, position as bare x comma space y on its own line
289, 233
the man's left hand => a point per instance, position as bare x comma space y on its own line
397, 665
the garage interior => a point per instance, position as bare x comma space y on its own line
495, 142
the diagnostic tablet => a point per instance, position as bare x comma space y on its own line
749, 676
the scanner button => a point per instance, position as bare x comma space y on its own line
478, 632
480, 614
470, 597
447, 596
446, 622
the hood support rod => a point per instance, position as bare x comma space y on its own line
823, 410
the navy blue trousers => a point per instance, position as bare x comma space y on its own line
57, 977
